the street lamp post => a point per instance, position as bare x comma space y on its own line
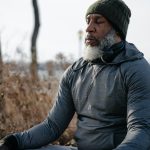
80, 36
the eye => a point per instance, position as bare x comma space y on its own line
87, 20
99, 21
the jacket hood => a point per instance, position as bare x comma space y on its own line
129, 53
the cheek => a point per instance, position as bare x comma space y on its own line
103, 30
101, 33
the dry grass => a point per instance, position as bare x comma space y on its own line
24, 103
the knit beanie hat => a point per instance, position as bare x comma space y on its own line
115, 11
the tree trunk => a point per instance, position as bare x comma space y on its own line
33, 41
2, 101
1, 64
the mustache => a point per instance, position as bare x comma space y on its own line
90, 37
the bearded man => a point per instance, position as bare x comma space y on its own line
109, 89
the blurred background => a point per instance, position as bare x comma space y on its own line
60, 22
39, 39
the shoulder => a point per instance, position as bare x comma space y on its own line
72, 69
136, 71
77, 65
137, 65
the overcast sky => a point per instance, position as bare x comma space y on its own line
60, 22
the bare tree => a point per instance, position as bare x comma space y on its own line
2, 101
1, 64
34, 39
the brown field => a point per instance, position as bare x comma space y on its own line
24, 102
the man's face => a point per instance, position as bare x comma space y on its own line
97, 28
100, 36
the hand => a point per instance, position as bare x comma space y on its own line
3, 147
8, 143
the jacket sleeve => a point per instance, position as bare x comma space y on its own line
56, 122
137, 80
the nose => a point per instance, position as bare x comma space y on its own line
90, 27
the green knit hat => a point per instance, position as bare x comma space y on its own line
115, 11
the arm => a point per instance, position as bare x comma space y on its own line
54, 125
137, 80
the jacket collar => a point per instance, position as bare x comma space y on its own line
119, 53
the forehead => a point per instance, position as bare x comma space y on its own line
95, 16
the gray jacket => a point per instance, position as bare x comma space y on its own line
112, 102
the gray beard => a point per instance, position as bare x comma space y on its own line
95, 52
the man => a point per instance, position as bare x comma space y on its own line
109, 89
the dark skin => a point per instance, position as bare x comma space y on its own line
97, 28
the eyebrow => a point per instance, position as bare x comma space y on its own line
95, 16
